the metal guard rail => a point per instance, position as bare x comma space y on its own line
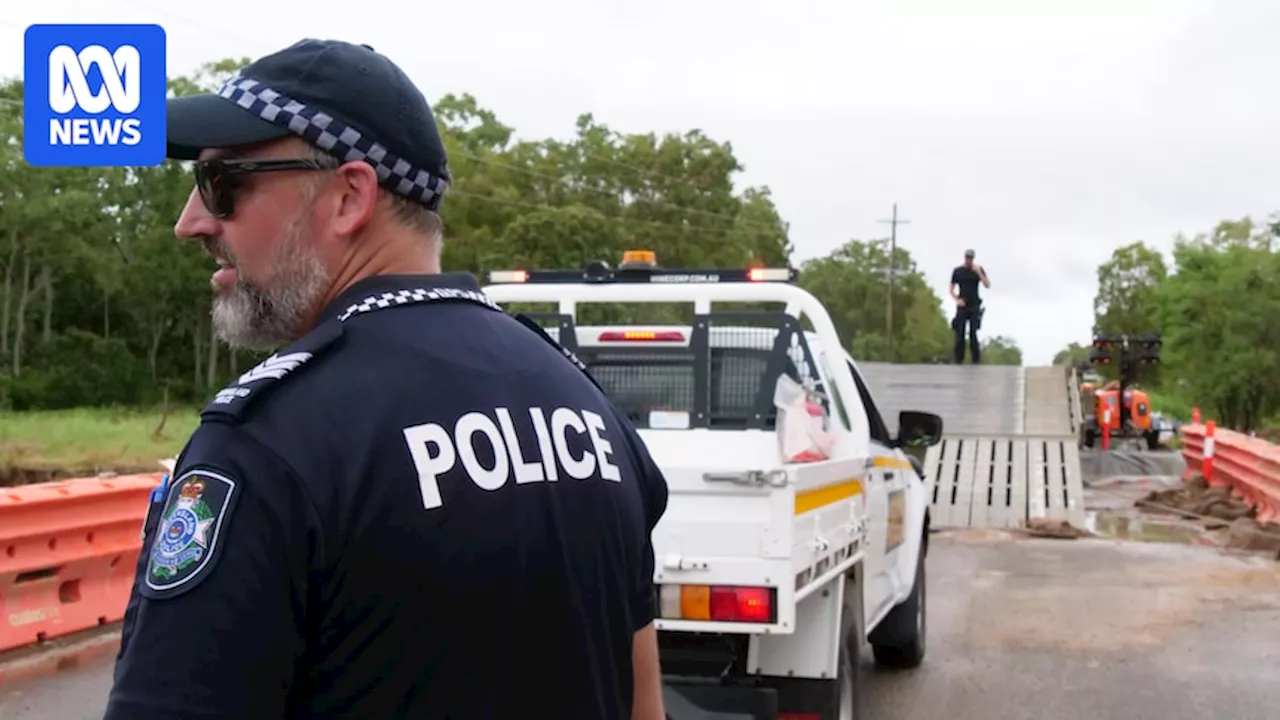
1248, 465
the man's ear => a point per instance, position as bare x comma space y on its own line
357, 188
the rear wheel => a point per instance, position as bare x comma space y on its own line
853, 629
899, 640
839, 698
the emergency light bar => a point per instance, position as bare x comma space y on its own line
640, 266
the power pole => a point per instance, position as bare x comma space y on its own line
889, 275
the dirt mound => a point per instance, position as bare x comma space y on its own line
1218, 509
1058, 529
13, 476
1248, 534
1196, 500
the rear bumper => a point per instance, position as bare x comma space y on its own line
694, 699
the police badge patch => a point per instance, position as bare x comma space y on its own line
186, 537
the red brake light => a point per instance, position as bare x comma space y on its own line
718, 603
741, 604
641, 336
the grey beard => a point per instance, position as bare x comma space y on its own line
254, 317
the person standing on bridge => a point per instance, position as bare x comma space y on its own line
964, 290
420, 507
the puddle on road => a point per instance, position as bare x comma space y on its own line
1137, 527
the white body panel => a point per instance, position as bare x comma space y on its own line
796, 531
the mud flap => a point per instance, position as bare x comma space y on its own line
718, 702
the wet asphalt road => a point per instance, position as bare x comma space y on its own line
1019, 629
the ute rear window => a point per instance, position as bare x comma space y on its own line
721, 381
662, 380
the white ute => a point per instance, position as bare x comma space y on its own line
770, 574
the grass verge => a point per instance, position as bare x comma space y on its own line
49, 445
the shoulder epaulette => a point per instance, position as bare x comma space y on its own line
233, 400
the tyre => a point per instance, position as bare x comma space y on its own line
849, 705
839, 698
899, 641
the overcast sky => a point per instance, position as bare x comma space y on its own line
1041, 133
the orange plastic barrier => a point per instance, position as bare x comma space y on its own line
1250, 466
68, 551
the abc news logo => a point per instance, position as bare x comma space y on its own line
94, 95
69, 89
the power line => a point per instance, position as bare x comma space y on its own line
889, 276
220, 31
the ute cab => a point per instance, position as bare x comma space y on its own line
771, 571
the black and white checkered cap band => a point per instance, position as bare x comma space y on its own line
415, 296
338, 139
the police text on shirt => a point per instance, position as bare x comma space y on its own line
437, 450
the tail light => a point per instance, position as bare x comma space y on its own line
641, 336
719, 603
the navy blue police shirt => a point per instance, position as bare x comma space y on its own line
421, 509
968, 279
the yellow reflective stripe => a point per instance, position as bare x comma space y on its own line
810, 500
893, 463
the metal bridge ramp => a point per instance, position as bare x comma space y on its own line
1009, 449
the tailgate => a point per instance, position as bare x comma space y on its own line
736, 550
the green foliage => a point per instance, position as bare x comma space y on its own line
1073, 354
80, 326
1216, 310
1126, 286
1001, 350
851, 282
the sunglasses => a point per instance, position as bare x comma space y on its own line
220, 181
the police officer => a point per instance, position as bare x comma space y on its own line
964, 290
420, 507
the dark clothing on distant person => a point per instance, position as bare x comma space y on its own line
973, 318
968, 279
969, 314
